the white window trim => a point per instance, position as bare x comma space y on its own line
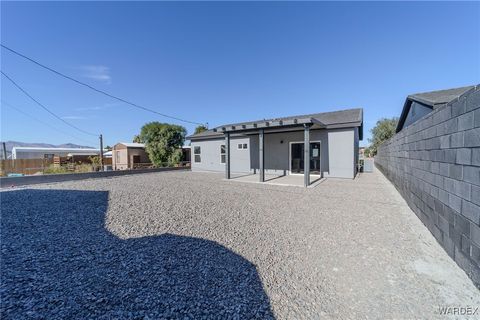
197, 154
240, 146
223, 154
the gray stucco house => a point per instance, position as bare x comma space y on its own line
279, 146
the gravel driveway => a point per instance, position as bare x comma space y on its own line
192, 245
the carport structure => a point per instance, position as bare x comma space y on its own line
271, 126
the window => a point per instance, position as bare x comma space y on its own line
196, 152
245, 146
242, 146
223, 154
118, 157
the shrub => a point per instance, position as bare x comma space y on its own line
52, 169
83, 168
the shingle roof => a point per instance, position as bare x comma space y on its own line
439, 97
206, 134
326, 118
432, 99
342, 118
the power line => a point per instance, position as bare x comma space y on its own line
44, 123
45, 108
95, 89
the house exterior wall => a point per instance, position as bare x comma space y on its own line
137, 152
119, 158
336, 160
416, 112
356, 150
124, 160
277, 150
341, 152
435, 165
210, 155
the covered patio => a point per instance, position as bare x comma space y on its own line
263, 127
292, 180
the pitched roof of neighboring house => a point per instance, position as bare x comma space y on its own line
133, 144
432, 100
205, 134
326, 120
439, 97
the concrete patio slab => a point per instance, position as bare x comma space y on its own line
292, 180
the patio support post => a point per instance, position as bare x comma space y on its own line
306, 158
261, 158
227, 155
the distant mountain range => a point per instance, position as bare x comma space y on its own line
10, 144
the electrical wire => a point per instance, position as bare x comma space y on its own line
98, 90
4, 103
44, 107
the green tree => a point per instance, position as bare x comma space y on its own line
367, 152
200, 128
383, 130
96, 162
137, 139
163, 142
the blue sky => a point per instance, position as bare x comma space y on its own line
223, 62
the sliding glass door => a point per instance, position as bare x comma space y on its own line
297, 157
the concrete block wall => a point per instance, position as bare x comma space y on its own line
435, 165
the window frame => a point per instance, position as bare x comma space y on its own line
197, 151
223, 154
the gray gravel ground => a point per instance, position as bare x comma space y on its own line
191, 245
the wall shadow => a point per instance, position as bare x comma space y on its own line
58, 261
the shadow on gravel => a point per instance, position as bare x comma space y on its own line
58, 261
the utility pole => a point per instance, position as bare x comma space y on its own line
101, 153
4, 151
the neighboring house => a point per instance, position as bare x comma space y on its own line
418, 105
186, 154
129, 155
278, 146
49, 153
107, 154
361, 153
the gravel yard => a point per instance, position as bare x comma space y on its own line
192, 245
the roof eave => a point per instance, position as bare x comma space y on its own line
242, 127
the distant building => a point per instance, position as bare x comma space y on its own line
361, 153
186, 153
129, 155
49, 153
